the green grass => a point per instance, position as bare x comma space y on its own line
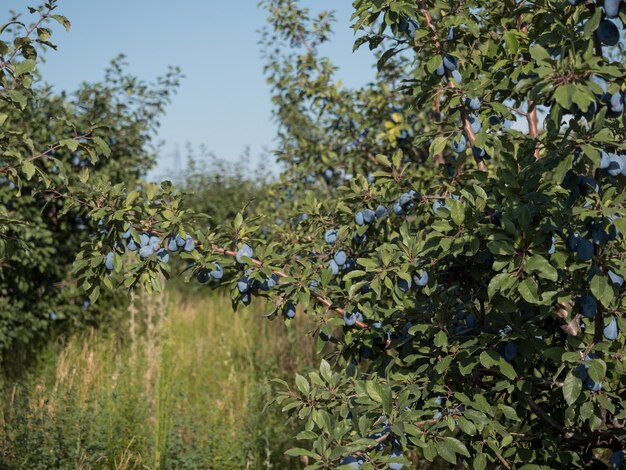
185, 387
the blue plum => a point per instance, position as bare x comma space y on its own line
616, 279
510, 351
190, 243
584, 250
144, 239
180, 241
172, 245
126, 235
131, 245
593, 386
163, 255
608, 33
588, 305
289, 310
351, 461
218, 272
243, 284
349, 318
358, 239
334, 267
146, 251
479, 152
404, 285
598, 235
457, 76
203, 276
473, 103
617, 459
420, 278
244, 251
340, 258
358, 218
611, 8
154, 242
269, 283
611, 331
450, 62
581, 371
108, 261
381, 212
572, 241
459, 144
437, 204
475, 123
368, 216
330, 236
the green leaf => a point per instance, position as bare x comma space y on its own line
103, 147
25, 66
70, 144
29, 169
601, 289
572, 386
63, 21
538, 264
499, 283
457, 212
480, 461
511, 42
528, 289
437, 146
298, 452
302, 384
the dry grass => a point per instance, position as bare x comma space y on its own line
185, 388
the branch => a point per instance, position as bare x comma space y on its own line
471, 137
532, 126
316, 295
6, 168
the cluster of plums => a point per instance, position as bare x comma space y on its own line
341, 262
449, 63
420, 278
614, 102
149, 244
582, 372
612, 163
249, 286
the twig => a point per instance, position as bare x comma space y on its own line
467, 126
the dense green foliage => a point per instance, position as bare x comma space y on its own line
468, 272
50, 141
220, 188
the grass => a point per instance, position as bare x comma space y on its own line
186, 387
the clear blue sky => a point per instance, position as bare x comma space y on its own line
223, 102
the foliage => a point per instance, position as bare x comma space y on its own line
49, 143
468, 272
220, 188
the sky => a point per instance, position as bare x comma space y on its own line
224, 102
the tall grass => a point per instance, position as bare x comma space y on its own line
186, 387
